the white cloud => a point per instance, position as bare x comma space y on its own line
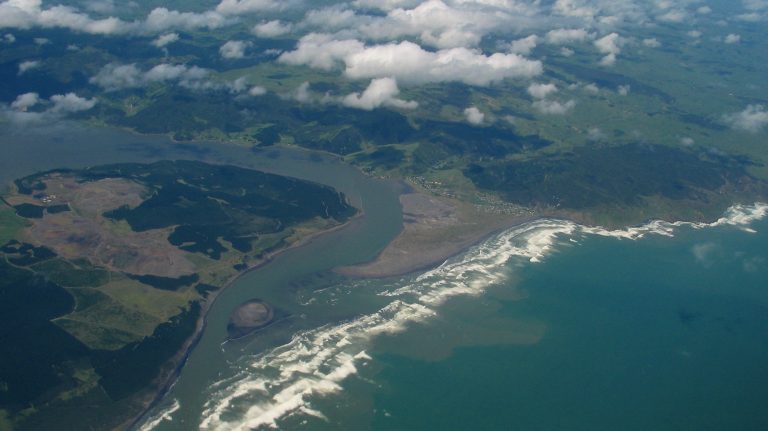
380, 92
166, 39
234, 49
302, 93
162, 19
321, 51
101, 6
704, 10
563, 36
121, 76
273, 28
69, 103
687, 141
239, 7
623, 90
609, 45
525, 45
755, 5
651, 42
596, 134
118, 76
58, 106
25, 66
25, 101
541, 91
9, 38
752, 119
694, 34
408, 62
674, 15
732, 38
437, 23
553, 107
474, 115
257, 91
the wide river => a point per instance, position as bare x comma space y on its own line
548, 326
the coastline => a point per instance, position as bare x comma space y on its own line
168, 378
451, 247
434, 230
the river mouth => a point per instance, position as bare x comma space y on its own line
72, 145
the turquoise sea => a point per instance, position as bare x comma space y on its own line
550, 326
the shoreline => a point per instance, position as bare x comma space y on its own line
169, 379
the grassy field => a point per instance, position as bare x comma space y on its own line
10, 224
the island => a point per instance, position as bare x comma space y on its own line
250, 316
106, 274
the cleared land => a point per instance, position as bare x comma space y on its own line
105, 274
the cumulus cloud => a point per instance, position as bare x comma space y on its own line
408, 62
234, 49
474, 115
541, 91
239, 7
380, 92
437, 23
114, 77
525, 45
275, 28
673, 15
25, 101
563, 36
732, 38
553, 107
610, 45
166, 39
69, 103
26, 14
321, 51
257, 91
25, 66
623, 90
302, 93
651, 42
752, 119
56, 107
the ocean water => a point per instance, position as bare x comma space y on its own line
549, 326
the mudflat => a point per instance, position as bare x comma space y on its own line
435, 228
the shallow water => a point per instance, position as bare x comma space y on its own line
548, 326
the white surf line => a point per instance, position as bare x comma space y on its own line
164, 415
282, 382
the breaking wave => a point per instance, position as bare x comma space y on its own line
283, 382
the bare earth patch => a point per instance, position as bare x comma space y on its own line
434, 229
84, 232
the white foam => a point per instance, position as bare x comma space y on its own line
285, 380
163, 416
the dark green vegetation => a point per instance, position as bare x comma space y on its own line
165, 283
54, 310
620, 176
207, 202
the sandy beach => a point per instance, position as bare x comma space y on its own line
434, 229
